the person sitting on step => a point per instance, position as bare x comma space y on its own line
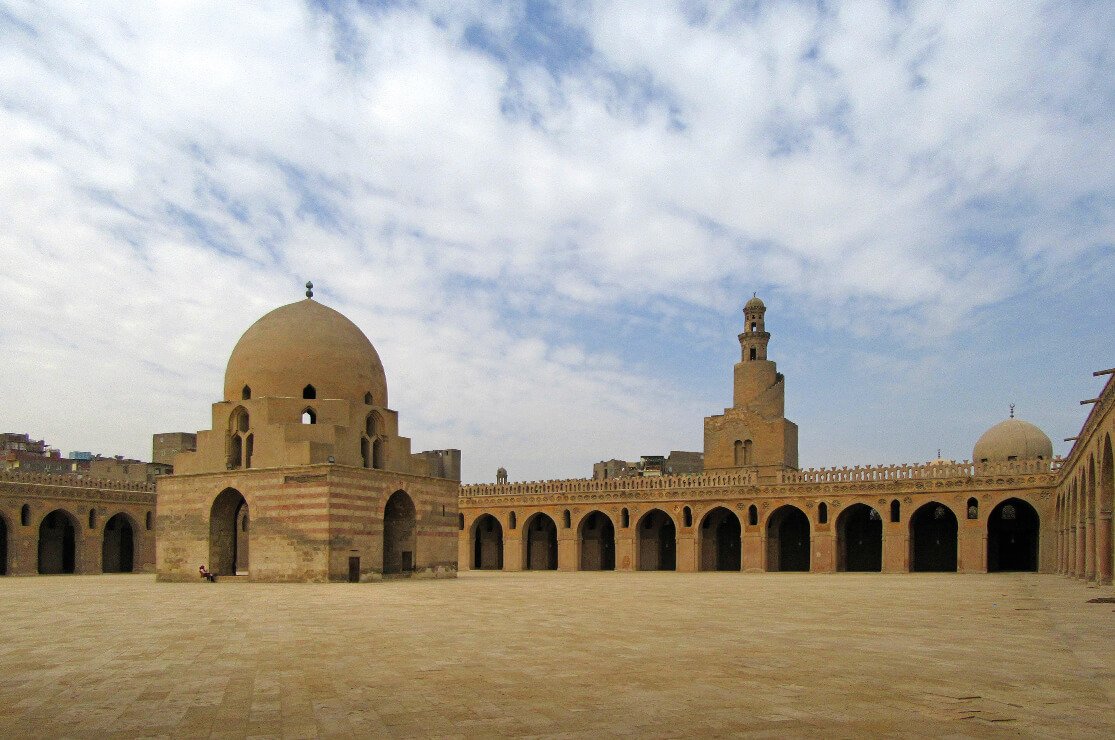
201, 571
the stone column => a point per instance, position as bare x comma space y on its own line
513, 550
896, 547
751, 556
971, 555
464, 549
1080, 550
625, 548
1090, 549
822, 559
686, 550
567, 549
1103, 548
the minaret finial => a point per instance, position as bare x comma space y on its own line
1012, 411
938, 453
309, 289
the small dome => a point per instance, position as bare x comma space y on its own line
305, 350
1013, 439
754, 303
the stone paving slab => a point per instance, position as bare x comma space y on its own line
559, 654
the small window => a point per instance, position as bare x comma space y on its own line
565, 518
511, 520
624, 519
687, 516
367, 399
249, 447
309, 392
1012, 458
309, 417
753, 326
148, 522
895, 511
752, 515
973, 508
92, 519
823, 513
461, 522
753, 353
25, 515
365, 457
443, 509
246, 393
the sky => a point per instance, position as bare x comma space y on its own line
547, 216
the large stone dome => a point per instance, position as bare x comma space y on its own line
305, 344
1013, 439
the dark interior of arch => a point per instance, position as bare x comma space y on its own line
860, 540
657, 542
598, 543
1012, 537
57, 552
228, 545
118, 546
487, 545
541, 543
788, 540
933, 530
720, 540
399, 534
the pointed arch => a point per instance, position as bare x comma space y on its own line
400, 528
1013, 529
118, 544
859, 539
656, 541
540, 545
487, 543
596, 542
58, 543
720, 540
788, 539
933, 538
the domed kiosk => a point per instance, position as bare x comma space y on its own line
303, 475
1010, 440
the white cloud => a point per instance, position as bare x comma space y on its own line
170, 172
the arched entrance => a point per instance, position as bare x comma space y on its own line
1012, 537
859, 539
225, 538
933, 531
597, 538
57, 545
399, 534
657, 541
720, 534
487, 543
788, 540
118, 547
540, 543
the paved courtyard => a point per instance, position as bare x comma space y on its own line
659, 654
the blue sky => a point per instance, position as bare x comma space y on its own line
547, 216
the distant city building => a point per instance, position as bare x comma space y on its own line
648, 466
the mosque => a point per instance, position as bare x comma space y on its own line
303, 476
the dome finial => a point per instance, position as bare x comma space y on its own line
1012, 411
309, 289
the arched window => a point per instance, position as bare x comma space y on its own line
372, 425
973, 508
752, 326
235, 452
565, 519
895, 510
752, 515
246, 393
249, 447
92, 519
687, 516
377, 453
148, 520
309, 416
239, 421
752, 353
747, 452
738, 456
823, 513
624, 519
461, 521
367, 399
309, 392
365, 456
511, 520
25, 515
